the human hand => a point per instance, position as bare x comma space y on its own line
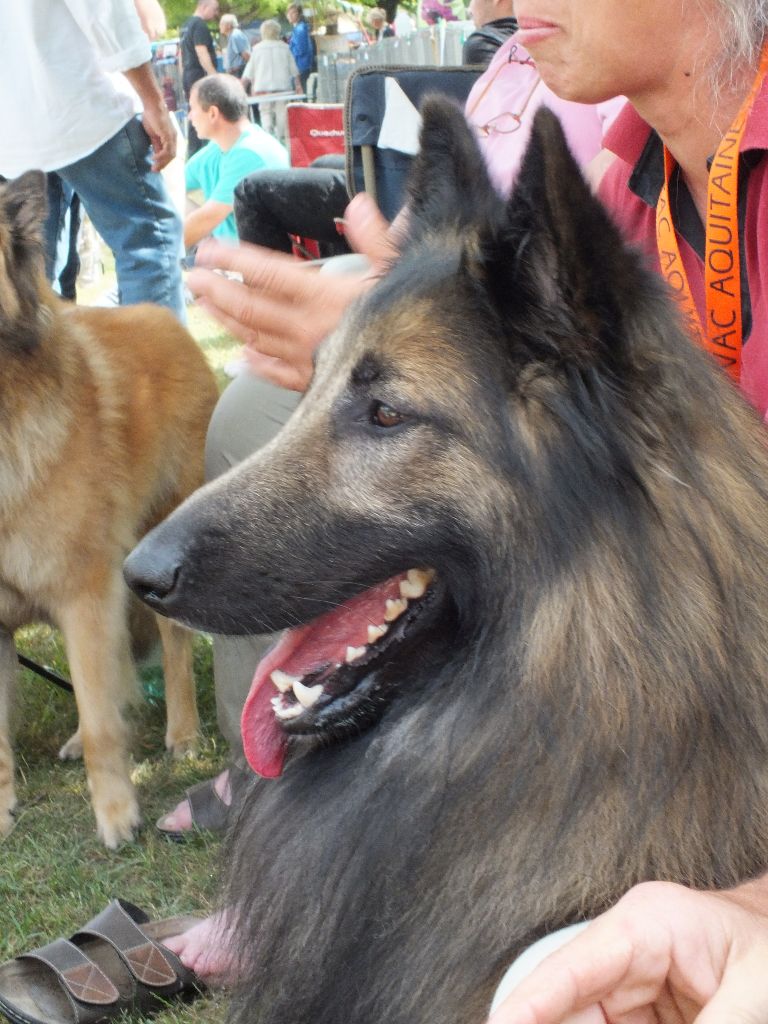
152, 18
370, 233
162, 133
663, 955
282, 309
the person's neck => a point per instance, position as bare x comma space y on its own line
229, 132
678, 111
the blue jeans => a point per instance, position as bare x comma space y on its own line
131, 210
63, 265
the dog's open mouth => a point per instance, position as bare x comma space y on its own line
318, 674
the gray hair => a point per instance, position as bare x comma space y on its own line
742, 26
270, 29
229, 19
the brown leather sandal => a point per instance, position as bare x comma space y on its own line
115, 963
209, 813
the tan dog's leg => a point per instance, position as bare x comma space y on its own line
8, 666
183, 724
98, 649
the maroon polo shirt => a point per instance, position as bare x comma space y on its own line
630, 189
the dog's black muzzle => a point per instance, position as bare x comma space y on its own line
153, 572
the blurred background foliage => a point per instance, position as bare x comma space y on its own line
177, 11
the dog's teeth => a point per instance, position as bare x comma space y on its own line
276, 703
353, 653
394, 609
376, 633
416, 583
307, 696
292, 711
283, 681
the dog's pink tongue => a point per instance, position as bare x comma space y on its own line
301, 651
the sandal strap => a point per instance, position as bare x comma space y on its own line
149, 963
207, 808
81, 978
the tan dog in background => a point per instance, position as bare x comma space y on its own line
103, 414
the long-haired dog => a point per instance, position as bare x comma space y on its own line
518, 530
103, 415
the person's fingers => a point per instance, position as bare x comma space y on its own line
577, 977
282, 277
367, 230
278, 272
268, 326
741, 999
742, 994
290, 367
162, 156
278, 372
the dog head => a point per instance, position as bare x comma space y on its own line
22, 266
482, 411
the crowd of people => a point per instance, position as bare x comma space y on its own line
645, 122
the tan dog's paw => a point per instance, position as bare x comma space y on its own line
182, 746
118, 820
7, 807
72, 749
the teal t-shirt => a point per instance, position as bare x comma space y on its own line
218, 173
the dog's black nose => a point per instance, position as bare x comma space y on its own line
152, 575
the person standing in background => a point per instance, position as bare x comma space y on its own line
238, 48
197, 57
272, 69
379, 27
83, 132
300, 43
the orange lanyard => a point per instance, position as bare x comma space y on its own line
721, 334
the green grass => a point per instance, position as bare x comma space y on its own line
54, 873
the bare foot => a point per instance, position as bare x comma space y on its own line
180, 818
204, 949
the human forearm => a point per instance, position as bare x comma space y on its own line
155, 118
205, 60
152, 17
144, 82
201, 222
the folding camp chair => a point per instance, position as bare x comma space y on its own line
381, 124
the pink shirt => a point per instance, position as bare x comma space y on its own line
630, 189
508, 86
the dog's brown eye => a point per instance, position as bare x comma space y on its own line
385, 416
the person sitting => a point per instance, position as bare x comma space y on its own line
494, 23
218, 109
272, 69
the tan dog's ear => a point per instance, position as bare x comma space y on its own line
26, 205
24, 314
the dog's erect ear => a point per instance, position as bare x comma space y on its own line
23, 317
448, 186
560, 254
24, 200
